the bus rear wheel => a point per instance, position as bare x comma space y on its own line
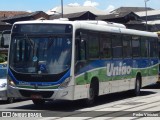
137, 86
38, 102
10, 100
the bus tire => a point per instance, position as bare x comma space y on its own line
38, 102
10, 100
137, 89
93, 92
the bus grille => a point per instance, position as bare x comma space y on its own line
44, 94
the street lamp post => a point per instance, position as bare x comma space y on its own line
146, 13
62, 7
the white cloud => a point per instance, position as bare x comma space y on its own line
110, 8
74, 4
90, 3
29, 11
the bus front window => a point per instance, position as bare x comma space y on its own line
40, 55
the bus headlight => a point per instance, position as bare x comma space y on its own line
10, 82
65, 83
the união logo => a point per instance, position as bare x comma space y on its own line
121, 69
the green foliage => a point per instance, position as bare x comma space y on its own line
2, 58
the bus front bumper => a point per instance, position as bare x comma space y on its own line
3, 95
48, 94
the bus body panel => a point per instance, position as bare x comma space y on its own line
114, 75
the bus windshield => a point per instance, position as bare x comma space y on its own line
5, 38
40, 54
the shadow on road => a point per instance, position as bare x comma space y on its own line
68, 106
3, 102
153, 86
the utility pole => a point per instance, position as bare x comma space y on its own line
62, 8
146, 13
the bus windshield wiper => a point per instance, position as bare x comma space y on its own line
29, 40
32, 44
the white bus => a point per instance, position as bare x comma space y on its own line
71, 60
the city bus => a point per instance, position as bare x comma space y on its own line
4, 44
72, 60
5, 38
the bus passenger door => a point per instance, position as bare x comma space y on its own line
127, 61
154, 61
144, 61
80, 66
80, 54
118, 81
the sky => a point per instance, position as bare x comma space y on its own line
45, 5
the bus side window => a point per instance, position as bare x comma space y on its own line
81, 55
136, 46
127, 48
83, 50
144, 47
105, 43
117, 46
80, 47
153, 47
93, 45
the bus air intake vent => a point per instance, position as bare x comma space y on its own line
44, 94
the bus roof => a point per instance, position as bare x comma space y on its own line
95, 26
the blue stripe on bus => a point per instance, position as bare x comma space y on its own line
40, 83
134, 63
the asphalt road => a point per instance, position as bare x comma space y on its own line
122, 105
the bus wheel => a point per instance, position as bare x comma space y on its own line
137, 86
38, 102
10, 100
93, 93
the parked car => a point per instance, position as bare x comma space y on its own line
3, 83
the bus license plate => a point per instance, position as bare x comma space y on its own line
36, 96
